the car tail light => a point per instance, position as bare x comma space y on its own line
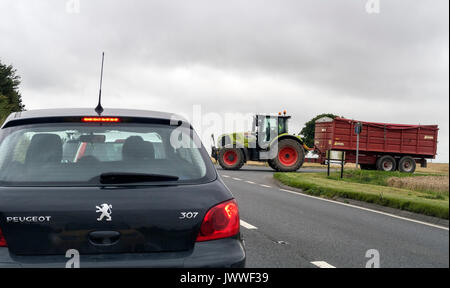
221, 221
101, 119
2, 239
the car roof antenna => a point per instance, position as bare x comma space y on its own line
99, 109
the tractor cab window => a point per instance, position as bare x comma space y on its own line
270, 128
282, 125
267, 130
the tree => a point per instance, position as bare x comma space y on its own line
310, 126
10, 98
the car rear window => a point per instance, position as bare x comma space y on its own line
68, 154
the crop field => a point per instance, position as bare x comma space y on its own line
440, 168
424, 193
431, 184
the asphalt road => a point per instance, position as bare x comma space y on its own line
289, 229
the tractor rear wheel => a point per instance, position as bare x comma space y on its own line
231, 158
290, 157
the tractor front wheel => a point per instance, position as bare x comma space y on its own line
231, 158
271, 165
290, 157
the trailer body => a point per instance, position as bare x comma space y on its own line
418, 142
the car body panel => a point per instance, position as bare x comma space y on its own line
222, 253
152, 225
76, 112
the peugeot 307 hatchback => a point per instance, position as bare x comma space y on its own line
125, 188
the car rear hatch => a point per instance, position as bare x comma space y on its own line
103, 185
50, 221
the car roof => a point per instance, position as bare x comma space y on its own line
90, 112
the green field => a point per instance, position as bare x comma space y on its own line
374, 187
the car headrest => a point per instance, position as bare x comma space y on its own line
44, 148
135, 148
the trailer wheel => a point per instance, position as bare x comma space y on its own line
231, 158
407, 164
290, 157
386, 163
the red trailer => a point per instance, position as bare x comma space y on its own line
382, 146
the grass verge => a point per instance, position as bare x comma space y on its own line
371, 191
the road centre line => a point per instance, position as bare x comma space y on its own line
247, 225
322, 264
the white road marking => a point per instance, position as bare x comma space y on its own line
237, 179
322, 264
266, 186
226, 176
250, 182
247, 225
367, 209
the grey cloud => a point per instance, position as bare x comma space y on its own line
304, 55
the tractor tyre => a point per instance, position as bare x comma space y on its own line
290, 156
231, 158
272, 164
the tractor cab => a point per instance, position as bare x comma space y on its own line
269, 127
268, 142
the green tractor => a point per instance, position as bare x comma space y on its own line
268, 142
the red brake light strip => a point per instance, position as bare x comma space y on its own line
101, 119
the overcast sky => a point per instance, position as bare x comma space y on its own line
308, 57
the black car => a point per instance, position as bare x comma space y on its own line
125, 188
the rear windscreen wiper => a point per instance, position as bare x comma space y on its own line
119, 177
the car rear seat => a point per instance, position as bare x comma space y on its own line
44, 149
136, 149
